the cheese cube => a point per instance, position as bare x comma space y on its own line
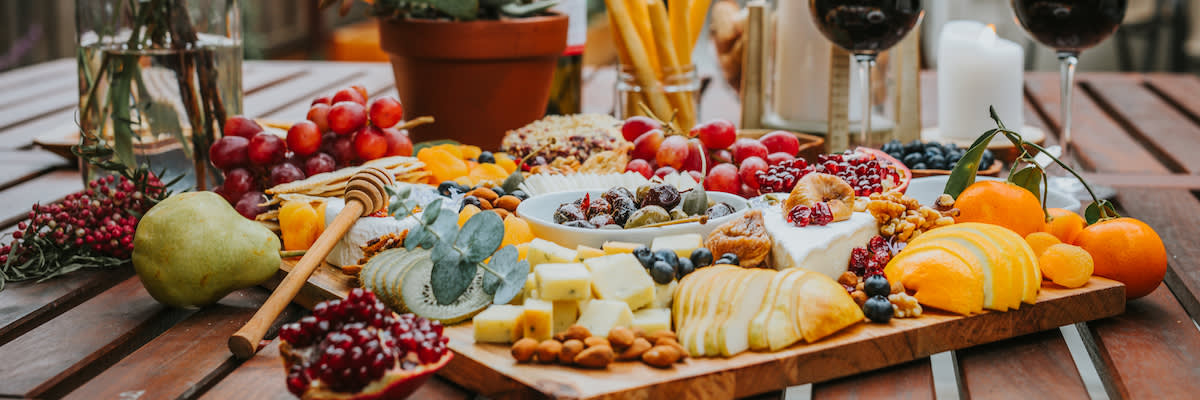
619, 247
583, 304
663, 294
585, 252
681, 244
538, 319
566, 312
621, 277
603, 315
563, 281
652, 320
543, 251
499, 324
530, 288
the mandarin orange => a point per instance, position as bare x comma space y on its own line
1128, 251
1001, 203
1064, 224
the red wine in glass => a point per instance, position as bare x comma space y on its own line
1069, 25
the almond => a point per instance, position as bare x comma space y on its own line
635, 350
570, 349
661, 356
621, 337
595, 357
523, 349
596, 341
507, 202
578, 332
548, 350
484, 194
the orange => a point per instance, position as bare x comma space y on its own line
504, 161
1066, 265
940, 279
1064, 224
1040, 241
1001, 203
1126, 250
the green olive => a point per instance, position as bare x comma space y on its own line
646, 216
678, 214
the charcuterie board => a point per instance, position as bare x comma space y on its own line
490, 369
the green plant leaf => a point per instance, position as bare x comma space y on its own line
516, 9
1094, 212
964, 172
415, 236
502, 261
445, 246
481, 236
1029, 178
514, 277
429, 217
451, 279
445, 226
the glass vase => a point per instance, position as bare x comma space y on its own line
157, 78
680, 87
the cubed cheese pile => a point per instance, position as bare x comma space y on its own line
597, 288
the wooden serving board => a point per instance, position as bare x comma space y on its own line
490, 370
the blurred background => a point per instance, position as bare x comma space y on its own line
1157, 35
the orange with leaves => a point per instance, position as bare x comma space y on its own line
1001, 203
1064, 224
1126, 250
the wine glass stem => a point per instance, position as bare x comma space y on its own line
1067, 61
866, 62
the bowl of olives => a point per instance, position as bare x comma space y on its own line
592, 217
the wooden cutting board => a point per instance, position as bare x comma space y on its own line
489, 369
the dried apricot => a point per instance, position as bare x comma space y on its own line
443, 165
516, 231
1040, 241
1067, 265
746, 237
470, 152
299, 225
1065, 224
488, 173
453, 149
506, 162
467, 212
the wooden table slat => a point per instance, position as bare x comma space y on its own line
43, 189
185, 359
20, 166
59, 355
303, 88
51, 70
25, 305
1036, 366
1159, 126
1178, 90
912, 380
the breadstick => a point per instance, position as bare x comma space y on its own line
681, 30
663, 39
641, 20
696, 13
642, 70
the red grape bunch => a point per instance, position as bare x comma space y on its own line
339, 131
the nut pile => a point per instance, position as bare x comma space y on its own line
576, 346
904, 218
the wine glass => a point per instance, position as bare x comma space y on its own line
1069, 27
865, 28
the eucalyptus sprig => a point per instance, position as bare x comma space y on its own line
1029, 177
457, 254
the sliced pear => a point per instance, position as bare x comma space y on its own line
781, 326
756, 332
704, 305
733, 332
823, 307
707, 333
681, 306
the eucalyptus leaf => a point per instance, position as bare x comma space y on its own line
445, 226
415, 236
514, 283
1093, 212
481, 236
428, 217
513, 181
1029, 178
501, 263
695, 201
964, 171
451, 279
445, 246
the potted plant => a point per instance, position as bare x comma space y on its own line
479, 67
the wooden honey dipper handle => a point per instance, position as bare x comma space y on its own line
364, 195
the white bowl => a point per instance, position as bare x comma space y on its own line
927, 189
539, 212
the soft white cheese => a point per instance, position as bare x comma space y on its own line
348, 250
825, 249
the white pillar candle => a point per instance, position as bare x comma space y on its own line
800, 87
976, 70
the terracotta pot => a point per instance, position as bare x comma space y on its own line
478, 79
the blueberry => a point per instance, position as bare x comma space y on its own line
520, 194
667, 255
877, 285
463, 188
722, 261
936, 162
701, 257
949, 148
662, 272
953, 157
644, 256
899, 155
487, 157
913, 159
499, 191
685, 267
472, 200
931, 151
733, 258
447, 188
878, 309
913, 146
919, 165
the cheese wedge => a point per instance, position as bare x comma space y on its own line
563, 281
619, 247
603, 315
584, 252
542, 251
663, 294
499, 323
682, 245
651, 320
733, 332
538, 319
621, 277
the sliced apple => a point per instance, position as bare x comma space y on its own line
781, 326
823, 307
733, 333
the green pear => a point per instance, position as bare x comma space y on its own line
193, 248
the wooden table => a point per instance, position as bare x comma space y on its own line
98, 334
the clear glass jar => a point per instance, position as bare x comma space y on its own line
680, 88
157, 79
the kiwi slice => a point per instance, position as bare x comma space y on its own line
377, 267
390, 280
418, 295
